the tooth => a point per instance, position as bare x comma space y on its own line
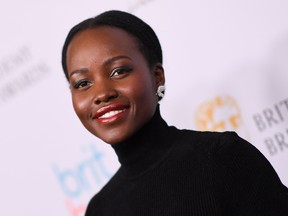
111, 113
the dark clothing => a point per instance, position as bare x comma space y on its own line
166, 171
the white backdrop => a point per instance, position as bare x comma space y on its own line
226, 65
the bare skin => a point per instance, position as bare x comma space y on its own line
113, 88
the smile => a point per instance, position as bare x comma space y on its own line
110, 114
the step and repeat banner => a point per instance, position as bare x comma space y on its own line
226, 65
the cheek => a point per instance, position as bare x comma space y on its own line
146, 89
81, 106
139, 91
143, 87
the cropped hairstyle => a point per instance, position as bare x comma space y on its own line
149, 44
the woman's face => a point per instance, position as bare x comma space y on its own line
113, 88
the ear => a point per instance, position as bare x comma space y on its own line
159, 75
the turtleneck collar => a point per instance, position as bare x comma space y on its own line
146, 148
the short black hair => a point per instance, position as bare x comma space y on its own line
149, 43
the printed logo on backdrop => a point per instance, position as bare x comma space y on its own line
80, 181
221, 113
19, 71
272, 124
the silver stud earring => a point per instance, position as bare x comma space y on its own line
160, 91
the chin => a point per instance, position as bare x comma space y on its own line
112, 139
114, 136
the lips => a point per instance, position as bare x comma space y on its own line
110, 113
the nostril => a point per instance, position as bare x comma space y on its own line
97, 102
112, 97
106, 97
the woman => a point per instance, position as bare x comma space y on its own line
113, 63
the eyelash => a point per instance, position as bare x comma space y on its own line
121, 71
79, 84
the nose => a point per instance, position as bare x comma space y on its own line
104, 93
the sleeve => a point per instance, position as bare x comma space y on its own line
93, 205
247, 182
89, 209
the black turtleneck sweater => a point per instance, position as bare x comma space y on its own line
166, 171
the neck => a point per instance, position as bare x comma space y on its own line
145, 148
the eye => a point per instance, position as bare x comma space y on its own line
82, 84
120, 72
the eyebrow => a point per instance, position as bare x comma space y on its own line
82, 70
111, 60
107, 62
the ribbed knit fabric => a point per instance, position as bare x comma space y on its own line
166, 171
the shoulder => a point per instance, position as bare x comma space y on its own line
211, 142
224, 151
98, 203
241, 175
216, 142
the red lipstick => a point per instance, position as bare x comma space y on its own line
111, 113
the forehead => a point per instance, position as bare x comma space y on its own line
110, 37
99, 44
